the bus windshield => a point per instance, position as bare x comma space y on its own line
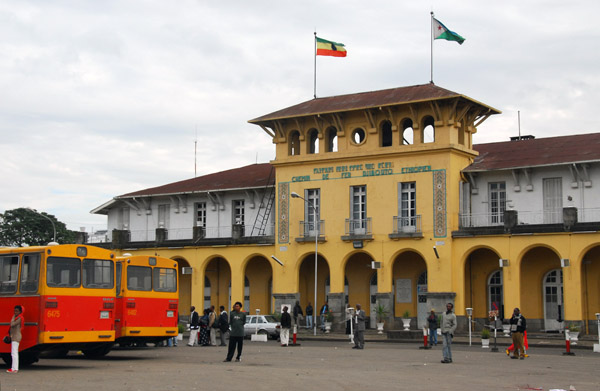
98, 273
165, 280
63, 272
139, 278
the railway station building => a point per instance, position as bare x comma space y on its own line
404, 211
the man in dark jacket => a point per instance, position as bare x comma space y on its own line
309, 316
194, 326
518, 325
359, 328
286, 324
223, 325
237, 320
298, 314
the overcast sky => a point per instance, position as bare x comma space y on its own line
101, 98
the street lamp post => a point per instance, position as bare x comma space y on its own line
315, 306
46, 217
469, 314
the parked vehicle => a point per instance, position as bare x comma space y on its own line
266, 324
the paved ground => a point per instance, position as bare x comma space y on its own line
322, 365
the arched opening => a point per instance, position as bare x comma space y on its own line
185, 288
385, 134
535, 266
306, 282
313, 141
428, 130
218, 273
408, 132
258, 277
331, 139
590, 289
359, 274
480, 266
294, 143
407, 275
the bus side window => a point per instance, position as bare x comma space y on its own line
9, 270
30, 273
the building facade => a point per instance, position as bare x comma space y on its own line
403, 210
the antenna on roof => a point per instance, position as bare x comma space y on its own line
195, 146
519, 119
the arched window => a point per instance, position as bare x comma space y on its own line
313, 141
331, 138
407, 132
386, 134
294, 143
428, 130
495, 293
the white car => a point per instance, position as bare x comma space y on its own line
265, 324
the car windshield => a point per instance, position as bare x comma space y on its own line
270, 319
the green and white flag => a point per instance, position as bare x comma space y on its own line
442, 32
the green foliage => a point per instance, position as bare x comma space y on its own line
180, 328
276, 315
23, 226
573, 328
485, 333
406, 314
381, 312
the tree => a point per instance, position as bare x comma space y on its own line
23, 226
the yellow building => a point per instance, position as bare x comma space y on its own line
389, 187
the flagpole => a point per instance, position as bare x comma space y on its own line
431, 81
315, 73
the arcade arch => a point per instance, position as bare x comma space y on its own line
185, 287
483, 283
410, 286
306, 282
590, 289
258, 285
218, 274
541, 290
358, 274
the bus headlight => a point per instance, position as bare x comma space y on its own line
104, 314
170, 314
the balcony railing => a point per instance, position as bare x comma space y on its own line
588, 215
407, 225
188, 233
307, 228
358, 227
537, 217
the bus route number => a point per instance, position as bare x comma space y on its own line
53, 314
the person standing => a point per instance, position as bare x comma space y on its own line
432, 320
309, 316
194, 326
213, 324
359, 328
518, 325
286, 324
237, 320
298, 314
204, 330
16, 323
448, 328
323, 312
223, 325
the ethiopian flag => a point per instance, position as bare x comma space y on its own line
442, 32
330, 48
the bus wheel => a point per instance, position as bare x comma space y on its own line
99, 351
7, 359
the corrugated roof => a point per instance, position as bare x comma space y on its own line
363, 100
537, 152
252, 176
